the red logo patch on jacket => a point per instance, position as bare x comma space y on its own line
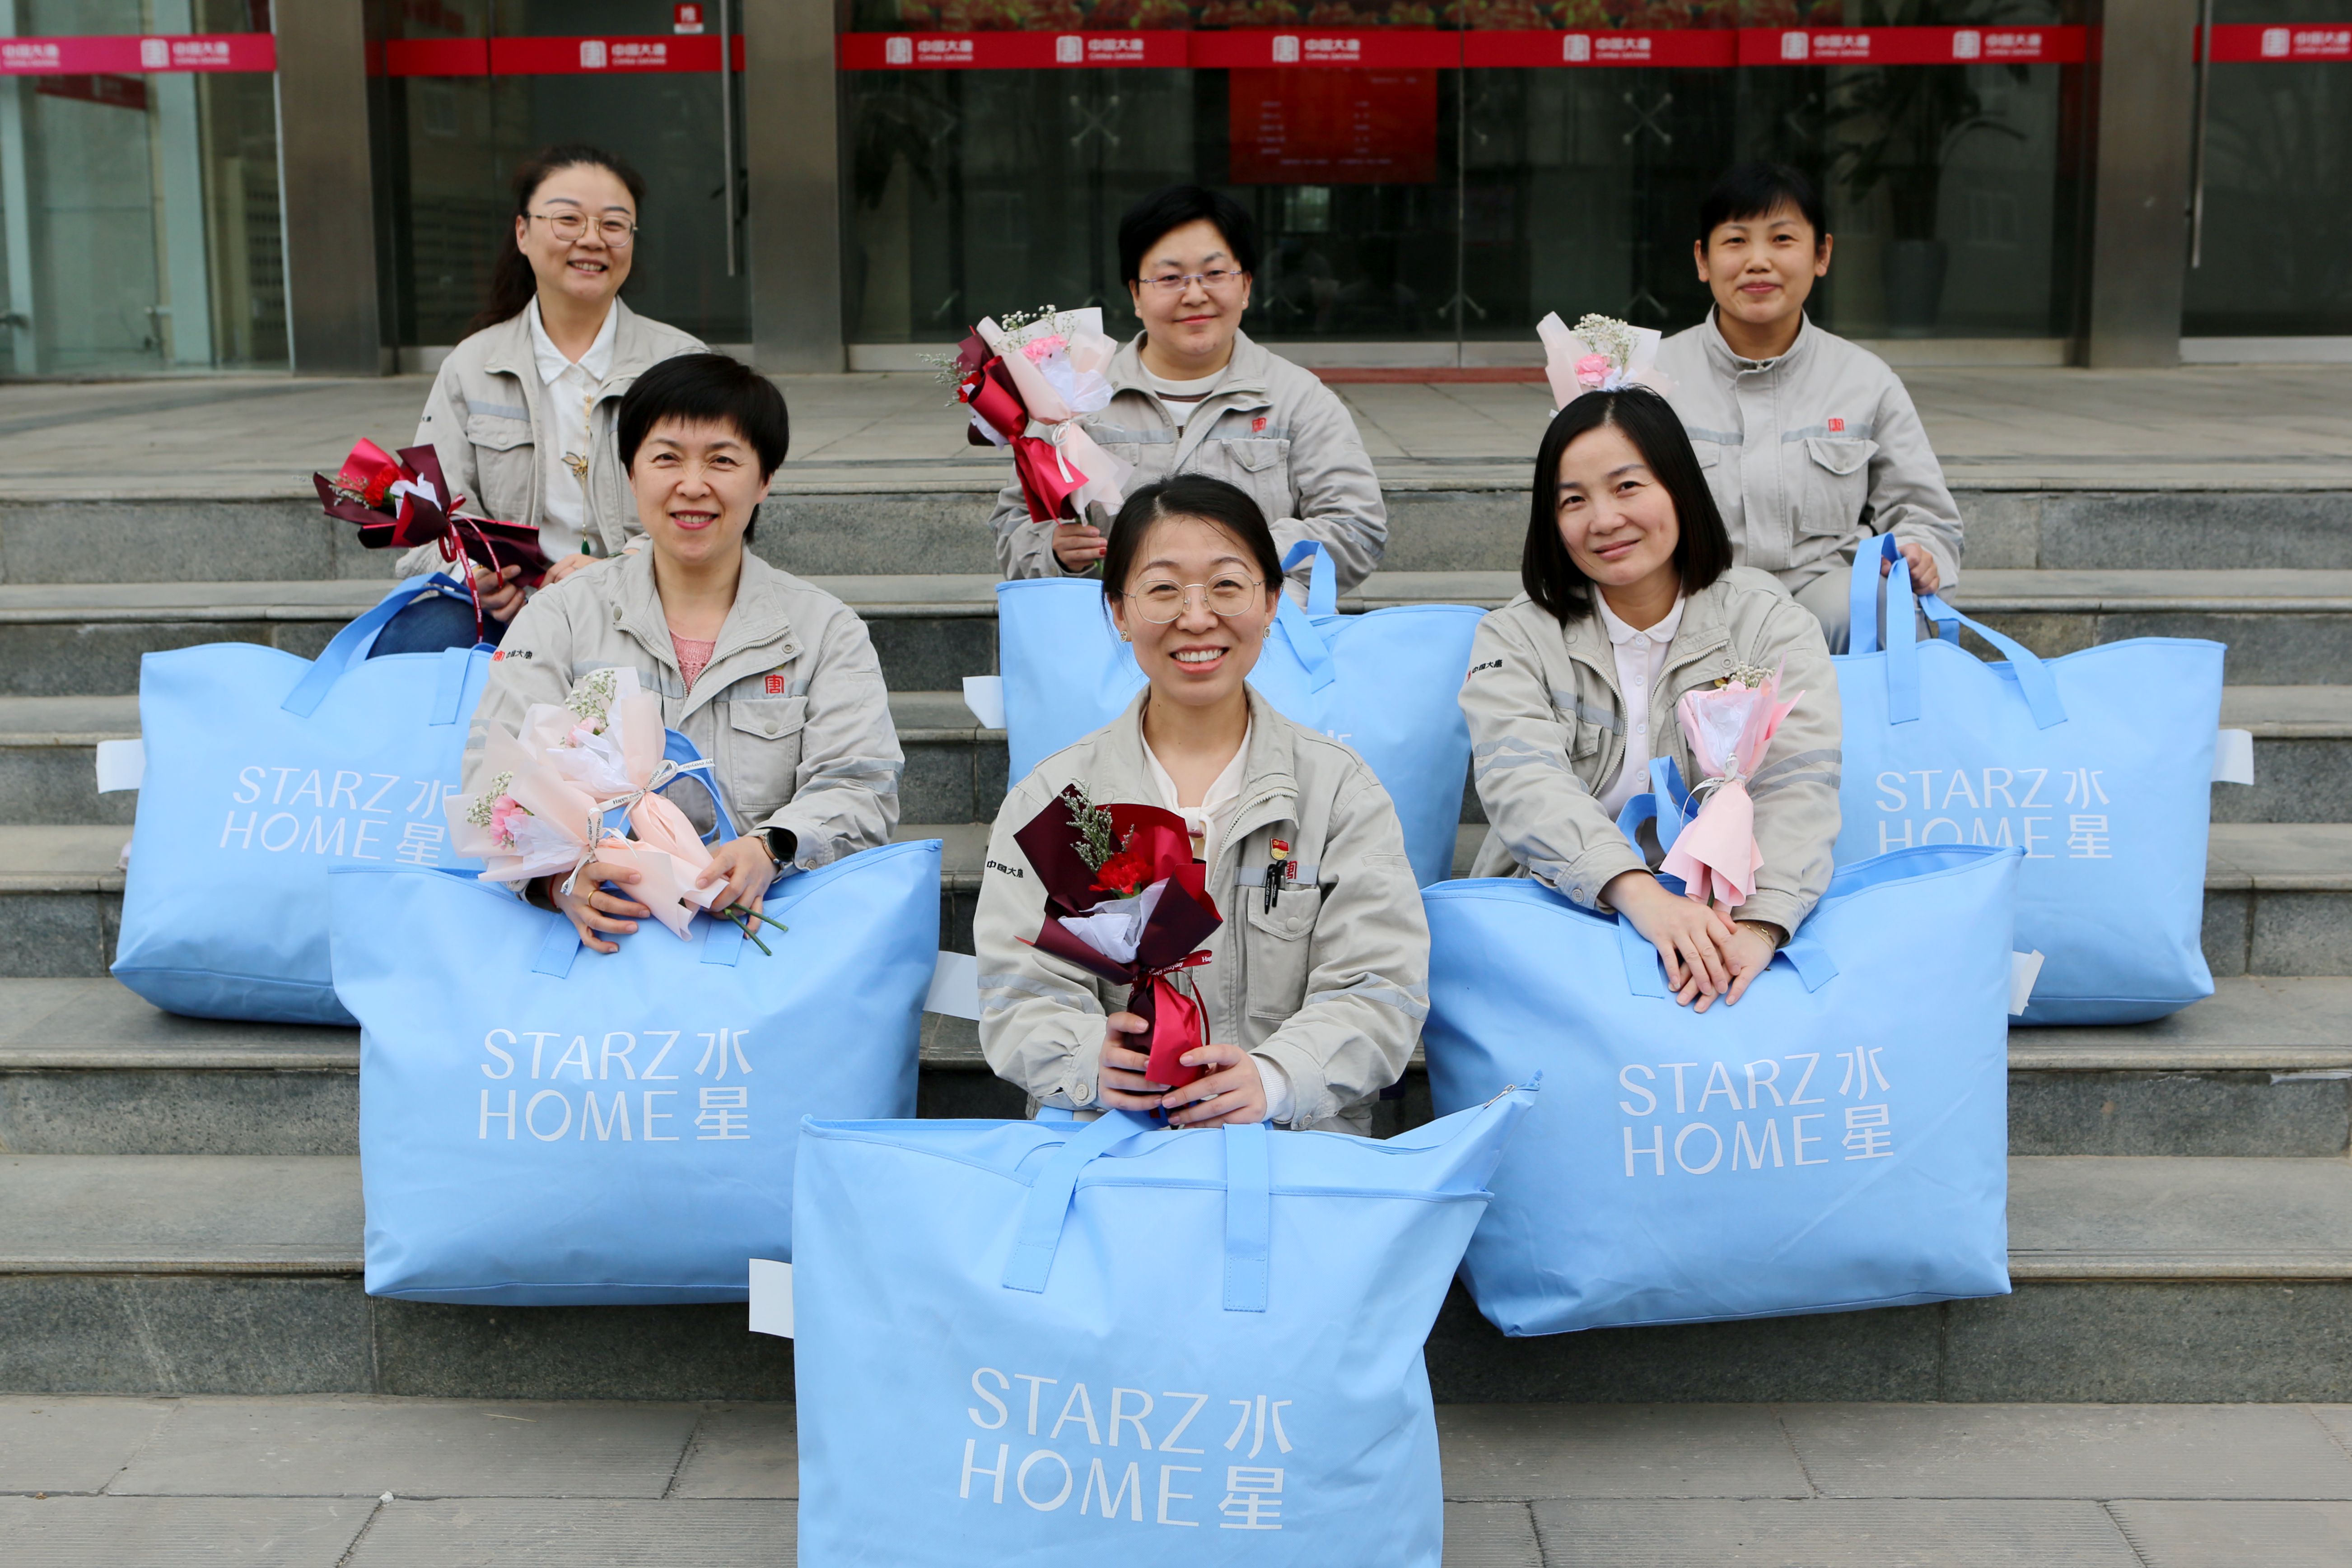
1257, 424
775, 685
1836, 428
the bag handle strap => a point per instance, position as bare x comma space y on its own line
557, 949
676, 748
1861, 593
1307, 639
722, 941
349, 645
1249, 1206
2035, 680
1049, 1197
1638, 809
1322, 577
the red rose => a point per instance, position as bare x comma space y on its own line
1126, 873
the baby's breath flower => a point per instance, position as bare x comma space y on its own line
479, 812
1608, 336
592, 697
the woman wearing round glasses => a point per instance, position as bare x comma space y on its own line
1193, 394
1316, 982
522, 413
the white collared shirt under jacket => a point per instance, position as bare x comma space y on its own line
1330, 986
1641, 656
791, 710
490, 417
1270, 427
1548, 728
1810, 453
572, 387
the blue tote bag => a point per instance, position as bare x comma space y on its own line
543, 1126
1066, 1342
263, 770
2097, 766
1836, 1140
1388, 683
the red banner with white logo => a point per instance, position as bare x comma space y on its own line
137, 56
1682, 47
556, 57
1363, 48
1009, 51
2251, 43
1911, 46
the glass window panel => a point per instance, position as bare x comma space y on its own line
139, 222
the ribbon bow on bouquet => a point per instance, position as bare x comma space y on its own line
1728, 729
401, 502
1126, 900
1603, 354
557, 789
1045, 370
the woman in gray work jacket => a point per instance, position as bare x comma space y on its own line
1191, 394
1810, 443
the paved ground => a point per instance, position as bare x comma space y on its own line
2200, 427
373, 1483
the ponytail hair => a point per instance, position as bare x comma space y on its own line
513, 285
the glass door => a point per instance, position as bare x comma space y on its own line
475, 88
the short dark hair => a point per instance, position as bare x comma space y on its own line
1758, 189
1171, 207
707, 389
1702, 553
1214, 502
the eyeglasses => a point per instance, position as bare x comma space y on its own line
1176, 282
1163, 599
617, 232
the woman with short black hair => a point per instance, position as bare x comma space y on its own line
1317, 980
522, 412
772, 678
1810, 443
1193, 394
1630, 600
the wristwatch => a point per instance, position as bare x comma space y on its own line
782, 842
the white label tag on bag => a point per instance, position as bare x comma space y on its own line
984, 694
2024, 968
771, 1298
955, 986
2234, 757
121, 764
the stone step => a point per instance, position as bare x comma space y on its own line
2263, 1068
1443, 517
2283, 627
2149, 1280
2278, 896
956, 769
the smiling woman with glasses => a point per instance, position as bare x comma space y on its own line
522, 413
1191, 394
1313, 989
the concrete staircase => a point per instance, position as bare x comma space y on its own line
179, 1199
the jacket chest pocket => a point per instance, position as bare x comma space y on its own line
1257, 466
1836, 486
504, 451
1588, 727
1279, 946
763, 742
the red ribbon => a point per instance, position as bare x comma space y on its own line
1047, 479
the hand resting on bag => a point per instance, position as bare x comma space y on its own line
1705, 954
592, 907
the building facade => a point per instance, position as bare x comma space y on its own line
321, 185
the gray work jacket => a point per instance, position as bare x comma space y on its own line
1810, 453
1271, 428
791, 707
1547, 733
1330, 985
486, 417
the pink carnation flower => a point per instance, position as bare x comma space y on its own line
1592, 370
1043, 348
506, 812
